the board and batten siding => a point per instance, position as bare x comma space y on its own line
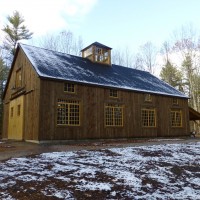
30, 92
93, 100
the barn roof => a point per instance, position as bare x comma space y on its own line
98, 45
193, 114
60, 66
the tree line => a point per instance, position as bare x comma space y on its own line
184, 47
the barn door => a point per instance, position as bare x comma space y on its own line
16, 116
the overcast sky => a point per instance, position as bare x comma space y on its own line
115, 23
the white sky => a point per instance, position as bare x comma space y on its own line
43, 16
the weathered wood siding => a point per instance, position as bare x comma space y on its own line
30, 90
93, 100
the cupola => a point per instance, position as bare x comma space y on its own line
98, 53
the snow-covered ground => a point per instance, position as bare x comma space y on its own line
169, 171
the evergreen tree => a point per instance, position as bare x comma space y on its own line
3, 76
192, 78
172, 76
15, 31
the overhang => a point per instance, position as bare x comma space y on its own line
193, 114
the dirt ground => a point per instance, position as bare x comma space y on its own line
151, 169
13, 149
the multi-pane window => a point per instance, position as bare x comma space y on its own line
176, 118
68, 112
148, 97
101, 55
113, 93
69, 87
113, 115
18, 79
99, 51
148, 118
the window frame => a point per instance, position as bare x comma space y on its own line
18, 78
148, 98
112, 93
147, 118
176, 123
70, 88
68, 112
101, 55
111, 115
175, 101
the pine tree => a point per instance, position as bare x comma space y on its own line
3, 76
172, 76
15, 31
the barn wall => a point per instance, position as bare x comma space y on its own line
30, 90
93, 100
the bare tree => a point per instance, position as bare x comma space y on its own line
148, 56
138, 62
118, 57
165, 51
64, 42
187, 44
123, 57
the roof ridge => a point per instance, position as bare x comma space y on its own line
21, 44
78, 56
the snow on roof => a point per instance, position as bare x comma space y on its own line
56, 65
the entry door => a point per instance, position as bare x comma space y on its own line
16, 116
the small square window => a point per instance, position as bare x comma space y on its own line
69, 87
113, 93
175, 101
148, 98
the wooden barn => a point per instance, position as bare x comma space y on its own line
56, 96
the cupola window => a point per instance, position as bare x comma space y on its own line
98, 53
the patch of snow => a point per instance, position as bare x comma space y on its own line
166, 171
163, 139
87, 185
52, 191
